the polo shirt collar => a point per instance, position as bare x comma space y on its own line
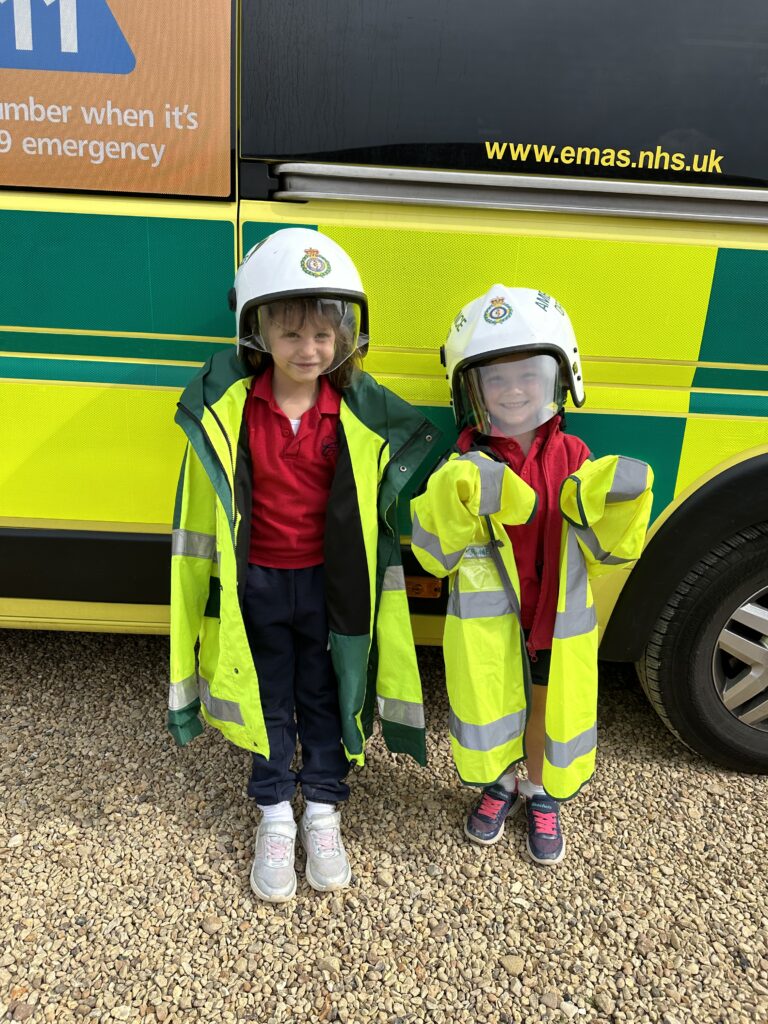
327, 403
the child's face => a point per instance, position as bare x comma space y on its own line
302, 344
515, 392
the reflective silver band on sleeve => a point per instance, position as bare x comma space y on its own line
401, 712
481, 604
491, 481
183, 693
576, 575
575, 622
223, 710
430, 543
629, 480
577, 618
589, 539
195, 545
562, 755
486, 737
394, 578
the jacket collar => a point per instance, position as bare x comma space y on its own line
217, 376
470, 437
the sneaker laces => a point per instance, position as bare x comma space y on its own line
326, 841
546, 822
277, 848
489, 806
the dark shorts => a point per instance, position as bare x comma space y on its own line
540, 668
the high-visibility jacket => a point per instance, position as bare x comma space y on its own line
457, 523
382, 442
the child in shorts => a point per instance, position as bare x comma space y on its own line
520, 518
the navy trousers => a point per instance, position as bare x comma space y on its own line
287, 627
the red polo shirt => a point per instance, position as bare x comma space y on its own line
536, 545
528, 539
292, 476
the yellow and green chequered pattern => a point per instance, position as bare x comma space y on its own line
104, 317
107, 309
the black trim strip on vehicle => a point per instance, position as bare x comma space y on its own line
84, 565
116, 568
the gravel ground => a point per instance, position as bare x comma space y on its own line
124, 873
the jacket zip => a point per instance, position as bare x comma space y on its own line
396, 455
425, 424
547, 512
213, 451
226, 438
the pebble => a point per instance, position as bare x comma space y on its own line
604, 1003
513, 964
129, 889
13, 843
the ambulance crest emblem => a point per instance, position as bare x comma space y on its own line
314, 264
497, 312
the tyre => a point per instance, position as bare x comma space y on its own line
705, 668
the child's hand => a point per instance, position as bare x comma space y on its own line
464, 492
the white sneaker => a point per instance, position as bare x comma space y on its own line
272, 875
327, 863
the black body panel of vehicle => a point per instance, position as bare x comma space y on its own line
427, 85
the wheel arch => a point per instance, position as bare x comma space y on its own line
725, 501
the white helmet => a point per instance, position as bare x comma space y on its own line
299, 264
511, 322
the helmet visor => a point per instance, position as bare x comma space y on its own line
316, 332
514, 394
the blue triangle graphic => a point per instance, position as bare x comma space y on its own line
63, 35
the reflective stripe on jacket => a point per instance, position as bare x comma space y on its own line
382, 442
606, 505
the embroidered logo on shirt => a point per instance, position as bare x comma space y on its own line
314, 264
497, 312
329, 446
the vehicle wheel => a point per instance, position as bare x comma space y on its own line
705, 669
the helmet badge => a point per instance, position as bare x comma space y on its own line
497, 312
314, 264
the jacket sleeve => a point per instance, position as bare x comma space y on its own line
458, 494
608, 501
193, 557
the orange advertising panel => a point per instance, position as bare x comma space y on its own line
116, 95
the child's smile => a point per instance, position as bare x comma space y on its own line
514, 394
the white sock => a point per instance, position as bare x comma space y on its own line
527, 788
277, 812
315, 809
508, 781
